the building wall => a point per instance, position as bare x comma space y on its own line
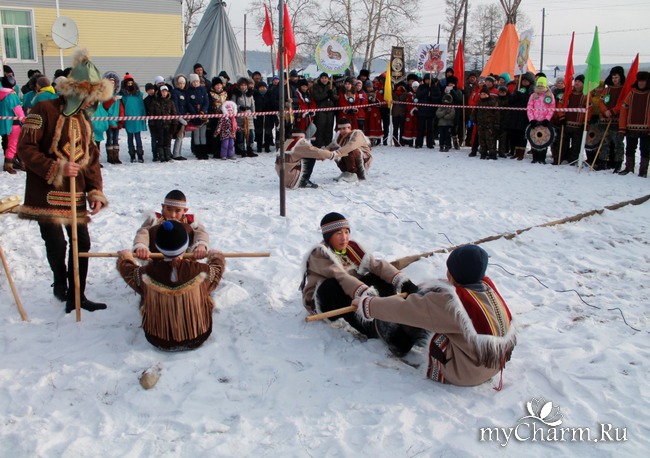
144, 37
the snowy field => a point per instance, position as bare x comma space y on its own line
268, 384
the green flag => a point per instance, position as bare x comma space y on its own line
592, 76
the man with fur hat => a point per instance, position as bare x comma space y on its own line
573, 121
634, 123
355, 165
339, 269
612, 149
325, 97
472, 332
56, 145
300, 157
175, 304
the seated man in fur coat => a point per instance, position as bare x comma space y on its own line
473, 335
339, 269
355, 165
176, 306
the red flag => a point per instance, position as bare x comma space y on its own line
629, 81
289, 39
568, 73
267, 31
459, 66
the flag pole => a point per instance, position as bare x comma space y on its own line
584, 131
281, 52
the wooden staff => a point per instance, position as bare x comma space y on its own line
600, 145
185, 256
559, 154
341, 311
73, 216
23, 315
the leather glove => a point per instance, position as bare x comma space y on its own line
545, 123
534, 123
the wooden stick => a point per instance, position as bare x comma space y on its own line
341, 311
600, 145
73, 215
23, 315
186, 255
559, 155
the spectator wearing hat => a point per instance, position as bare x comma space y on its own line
197, 103
372, 127
29, 91
349, 102
150, 90
203, 78
473, 335
305, 104
457, 96
175, 305
500, 127
162, 129
411, 118
446, 117
540, 109
325, 97
484, 117
27, 87
217, 96
339, 269
265, 124
133, 105
573, 122
518, 120
612, 142
112, 108
634, 123
471, 96
245, 102
427, 93
43, 146
364, 75
443, 82
400, 93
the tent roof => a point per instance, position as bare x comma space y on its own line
214, 45
504, 56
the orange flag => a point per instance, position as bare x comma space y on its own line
267, 31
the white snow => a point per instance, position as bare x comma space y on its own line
268, 384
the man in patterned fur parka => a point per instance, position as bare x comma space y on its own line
57, 145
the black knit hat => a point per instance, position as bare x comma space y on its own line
223, 74
293, 73
467, 264
580, 78
172, 239
364, 72
323, 74
643, 76
175, 198
197, 65
331, 223
216, 80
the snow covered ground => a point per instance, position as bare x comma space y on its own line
268, 384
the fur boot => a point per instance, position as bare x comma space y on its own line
519, 153
132, 154
629, 165
140, 155
109, 154
116, 154
643, 169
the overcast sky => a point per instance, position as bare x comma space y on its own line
624, 27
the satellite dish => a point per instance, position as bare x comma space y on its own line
65, 33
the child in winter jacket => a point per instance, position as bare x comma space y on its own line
133, 105
446, 116
540, 109
10, 130
227, 130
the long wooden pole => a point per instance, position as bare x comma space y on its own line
73, 217
186, 255
559, 155
341, 311
23, 315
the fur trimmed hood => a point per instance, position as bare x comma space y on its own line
84, 84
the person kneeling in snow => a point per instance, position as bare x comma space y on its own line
176, 306
473, 335
355, 165
339, 269
299, 160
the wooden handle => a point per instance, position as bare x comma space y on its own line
341, 311
186, 255
23, 315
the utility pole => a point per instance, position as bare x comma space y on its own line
465, 21
438, 34
541, 57
245, 53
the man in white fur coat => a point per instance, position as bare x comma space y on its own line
473, 335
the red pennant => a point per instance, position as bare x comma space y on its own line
289, 40
568, 73
629, 81
459, 66
267, 31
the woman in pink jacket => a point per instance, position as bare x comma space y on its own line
540, 109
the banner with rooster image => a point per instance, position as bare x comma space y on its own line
432, 58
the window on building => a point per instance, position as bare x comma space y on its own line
18, 34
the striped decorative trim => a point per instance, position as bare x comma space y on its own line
175, 203
62, 199
33, 121
174, 253
360, 290
335, 226
434, 370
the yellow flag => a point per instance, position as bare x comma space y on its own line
388, 87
